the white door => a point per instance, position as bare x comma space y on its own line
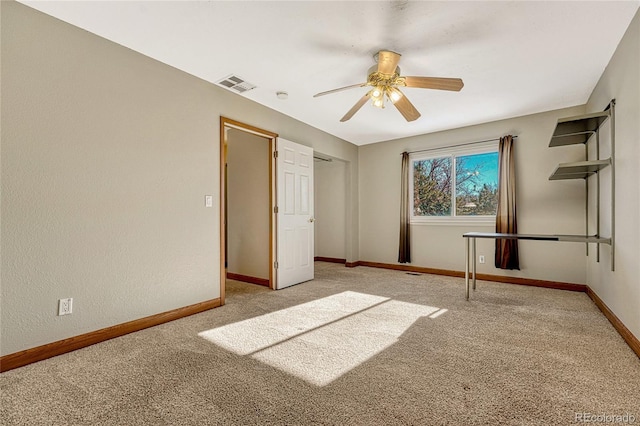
294, 191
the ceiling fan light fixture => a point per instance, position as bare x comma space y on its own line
377, 95
394, 94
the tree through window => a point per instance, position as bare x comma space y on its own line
455, 185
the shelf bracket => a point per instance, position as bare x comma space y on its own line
612, 106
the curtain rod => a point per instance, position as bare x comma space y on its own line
454, 146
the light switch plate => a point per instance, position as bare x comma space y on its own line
208, 200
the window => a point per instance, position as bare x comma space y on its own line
455, 184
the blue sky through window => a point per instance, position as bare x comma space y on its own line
487, 165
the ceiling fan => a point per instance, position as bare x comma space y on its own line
385, 81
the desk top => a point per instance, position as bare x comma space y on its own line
539, 237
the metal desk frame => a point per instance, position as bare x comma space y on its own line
470, 247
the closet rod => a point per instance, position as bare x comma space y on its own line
454, 146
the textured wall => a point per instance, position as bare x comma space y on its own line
544, 207
620, 290
248, 204
106, 158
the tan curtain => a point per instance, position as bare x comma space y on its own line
404, 253
506, 250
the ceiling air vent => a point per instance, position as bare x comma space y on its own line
237, 84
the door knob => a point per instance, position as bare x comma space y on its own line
311, 220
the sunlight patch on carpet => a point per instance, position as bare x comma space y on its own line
320, 341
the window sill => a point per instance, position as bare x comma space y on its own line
458, 221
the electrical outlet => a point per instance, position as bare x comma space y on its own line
481, 259
65, 306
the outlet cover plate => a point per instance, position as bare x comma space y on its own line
65, 306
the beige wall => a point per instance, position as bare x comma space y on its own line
248, 204
620, 290
106, 158
330, 181
544, 207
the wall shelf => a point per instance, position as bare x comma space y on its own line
578, 169
577, 130
580, 130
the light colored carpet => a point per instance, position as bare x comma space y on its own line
357, 346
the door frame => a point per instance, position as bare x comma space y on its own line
226, 124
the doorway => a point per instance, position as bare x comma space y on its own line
331, 194
247, 219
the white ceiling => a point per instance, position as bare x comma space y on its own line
515, 57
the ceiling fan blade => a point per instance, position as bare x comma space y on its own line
406, 108
363, 100
328, 92
437, 83
387, 62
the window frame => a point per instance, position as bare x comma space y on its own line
451, 152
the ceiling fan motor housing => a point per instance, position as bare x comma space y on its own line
374, 69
